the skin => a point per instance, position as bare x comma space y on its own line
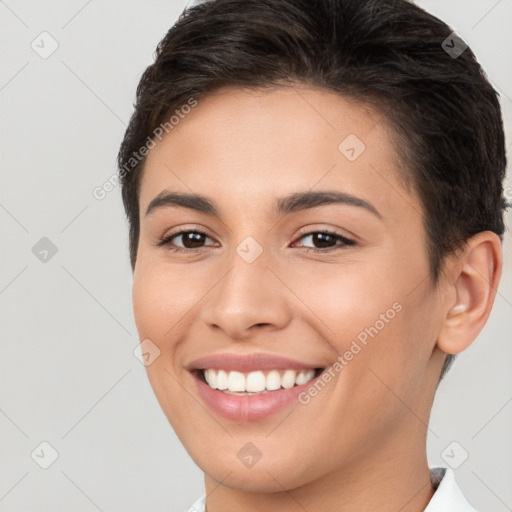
360, 443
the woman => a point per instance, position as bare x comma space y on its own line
314, 191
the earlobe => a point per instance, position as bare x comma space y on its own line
475, 276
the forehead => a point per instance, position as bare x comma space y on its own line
253, 144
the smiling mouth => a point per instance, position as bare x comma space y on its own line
257, 382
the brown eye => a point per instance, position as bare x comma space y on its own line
190, 240
325, 240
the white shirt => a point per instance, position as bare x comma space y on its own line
447, 495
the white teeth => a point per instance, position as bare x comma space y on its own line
273, 380
222, 380
236, 381
211, 377
302, 378
288, 379
256, 382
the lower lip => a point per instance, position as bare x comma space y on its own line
245, 408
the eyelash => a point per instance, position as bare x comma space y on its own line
346, 241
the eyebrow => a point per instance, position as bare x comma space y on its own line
294, 202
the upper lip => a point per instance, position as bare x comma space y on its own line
248, 363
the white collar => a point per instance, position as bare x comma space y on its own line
447, 495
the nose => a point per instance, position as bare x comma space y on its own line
248, 298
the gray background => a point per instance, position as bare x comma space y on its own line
68, 372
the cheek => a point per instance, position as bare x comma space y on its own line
161, 297
147, 306
161, 301
382, 314
346, 298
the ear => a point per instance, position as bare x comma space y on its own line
473, 278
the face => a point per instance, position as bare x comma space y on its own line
297, 282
